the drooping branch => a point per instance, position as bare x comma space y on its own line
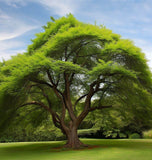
55, 116
42, 92
45, 95
29, 112
42, 82
36, 103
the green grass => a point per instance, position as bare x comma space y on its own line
104, 150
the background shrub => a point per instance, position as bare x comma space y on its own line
134, 136
147, 134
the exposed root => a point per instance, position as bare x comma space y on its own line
78, 145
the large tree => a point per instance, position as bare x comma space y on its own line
69, 70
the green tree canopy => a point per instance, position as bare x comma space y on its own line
70, 64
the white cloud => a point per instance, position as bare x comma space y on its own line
14, 3
60, 7
8, 34
7, 55
10, 27
9, 48
3, 16
8, 44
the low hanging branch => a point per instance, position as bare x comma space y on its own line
37, 103
55, 116
41, 82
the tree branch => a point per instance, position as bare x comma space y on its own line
99, 107
54, 87
42, 82
42, 91
50, 78
91, 92
55, 116
67, 97
79, 100
37, 103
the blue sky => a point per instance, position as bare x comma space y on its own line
20, 20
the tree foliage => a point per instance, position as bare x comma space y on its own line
74, 64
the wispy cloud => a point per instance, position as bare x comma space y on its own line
9, 48
14, 3
60, 7
12, 27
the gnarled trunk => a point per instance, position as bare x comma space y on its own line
73, 139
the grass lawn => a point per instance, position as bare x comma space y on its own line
100, 150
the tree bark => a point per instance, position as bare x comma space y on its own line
73, 140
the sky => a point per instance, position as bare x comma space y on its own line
20, 20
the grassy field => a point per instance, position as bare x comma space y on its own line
99, 150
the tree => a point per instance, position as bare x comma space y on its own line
71, 65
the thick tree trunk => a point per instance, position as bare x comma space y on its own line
72, 139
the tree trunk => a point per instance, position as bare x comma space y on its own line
72, 139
